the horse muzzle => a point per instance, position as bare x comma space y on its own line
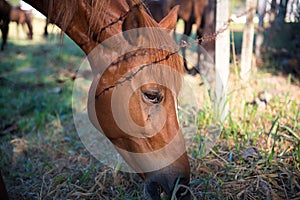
165, 180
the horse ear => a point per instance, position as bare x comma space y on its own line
169, 21
133, 20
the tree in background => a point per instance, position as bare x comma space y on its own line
282, 8
285, 11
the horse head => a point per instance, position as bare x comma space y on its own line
137, 78
133, 101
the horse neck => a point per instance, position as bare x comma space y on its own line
86, 22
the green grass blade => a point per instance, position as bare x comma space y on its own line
291, 132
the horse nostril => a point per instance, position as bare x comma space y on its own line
153, 191
169, 186
172, 180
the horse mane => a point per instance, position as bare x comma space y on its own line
63, 15
96, 12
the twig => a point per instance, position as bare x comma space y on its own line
183, 186
219, 156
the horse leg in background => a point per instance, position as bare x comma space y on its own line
5, 9
28, 20
17, 29
46, 28
3, 191
4, 30
187, 32
25, 19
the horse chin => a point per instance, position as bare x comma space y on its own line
155, 191
170, 179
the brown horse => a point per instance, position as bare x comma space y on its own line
149, 131
191, 12
4, 21
22, 17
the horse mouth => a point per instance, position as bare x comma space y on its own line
157, 191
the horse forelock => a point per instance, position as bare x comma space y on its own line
161, 66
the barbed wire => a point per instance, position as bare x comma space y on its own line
183, 45
213, 36
131, 76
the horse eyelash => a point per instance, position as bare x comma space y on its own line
158, 97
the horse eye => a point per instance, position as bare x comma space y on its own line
153, 97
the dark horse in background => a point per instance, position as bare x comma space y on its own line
4, 21
13, 14
22, 17
191, 12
